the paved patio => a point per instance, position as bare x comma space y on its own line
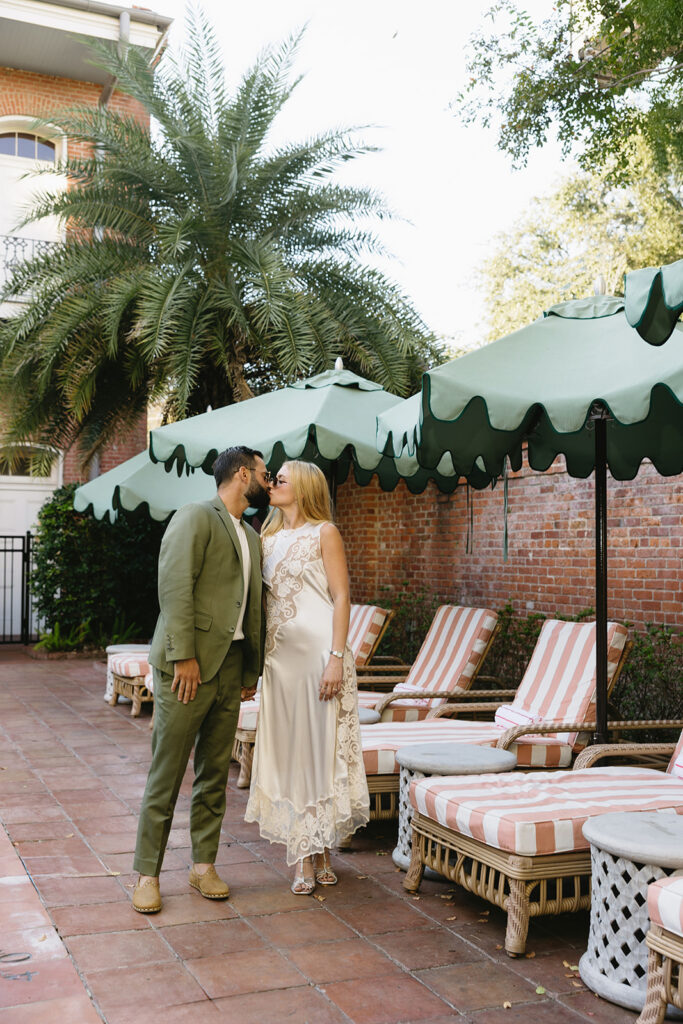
72, 772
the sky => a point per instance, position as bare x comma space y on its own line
395, 66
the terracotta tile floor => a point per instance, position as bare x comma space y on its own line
72, 951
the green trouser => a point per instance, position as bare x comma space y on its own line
211, 719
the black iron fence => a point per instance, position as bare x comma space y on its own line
18, 621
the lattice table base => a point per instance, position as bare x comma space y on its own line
402, 850
615, 963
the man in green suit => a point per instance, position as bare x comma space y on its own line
206, 656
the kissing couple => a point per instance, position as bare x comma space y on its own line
211, 643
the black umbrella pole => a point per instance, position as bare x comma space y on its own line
601, 578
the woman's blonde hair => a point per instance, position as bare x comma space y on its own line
311, 494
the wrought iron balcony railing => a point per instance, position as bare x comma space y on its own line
14, 250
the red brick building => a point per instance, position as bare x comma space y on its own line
44, 67
398, 538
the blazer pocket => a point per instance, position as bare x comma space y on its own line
202, 620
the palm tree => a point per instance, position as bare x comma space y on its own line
200, 262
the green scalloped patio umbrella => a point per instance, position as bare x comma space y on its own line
329, 419
577, 382
142, 487
654, 301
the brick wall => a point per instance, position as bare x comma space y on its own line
122, 448
34, 95
396, 537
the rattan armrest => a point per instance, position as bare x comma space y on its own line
591, 755
409, 694
455, 707
396, 668
380, 685
511, 735
448, 695
493, 694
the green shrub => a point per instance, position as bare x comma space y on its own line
94, 583
651, 684
414, 609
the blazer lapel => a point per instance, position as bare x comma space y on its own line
255, 552
226, 519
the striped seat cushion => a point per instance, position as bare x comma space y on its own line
408, 710
381, 741
365, 625
560, 680
676, 762
541, 813
665, 903
249, 710
451, 652
129, 664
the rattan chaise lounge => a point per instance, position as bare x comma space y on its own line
516, 840
665, 942
558, 686
445, 668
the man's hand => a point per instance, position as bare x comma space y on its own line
247, 693
186, 679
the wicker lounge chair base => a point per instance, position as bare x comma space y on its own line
664, 975
384, 795
134, 688
524, 887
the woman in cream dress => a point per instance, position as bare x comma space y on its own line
308, 787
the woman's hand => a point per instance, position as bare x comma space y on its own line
330, 684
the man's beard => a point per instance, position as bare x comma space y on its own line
257, 495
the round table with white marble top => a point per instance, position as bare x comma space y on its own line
421, 759
628, 851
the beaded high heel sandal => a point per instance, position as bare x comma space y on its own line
324, 875
302, 886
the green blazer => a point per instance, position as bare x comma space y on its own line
201, 589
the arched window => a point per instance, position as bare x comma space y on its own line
27, 145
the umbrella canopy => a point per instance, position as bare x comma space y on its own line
329, 419
578, 382
542, 384
143, 487
654, 301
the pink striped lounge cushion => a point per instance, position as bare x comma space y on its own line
448, 659
451, 651
559, 681
544, 812
676, 762
665, 903
129, 665
365, 625
381, 741
249, 710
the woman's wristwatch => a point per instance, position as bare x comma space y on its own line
337, 654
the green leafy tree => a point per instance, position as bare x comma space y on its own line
601, 73
202, 264
586, 229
